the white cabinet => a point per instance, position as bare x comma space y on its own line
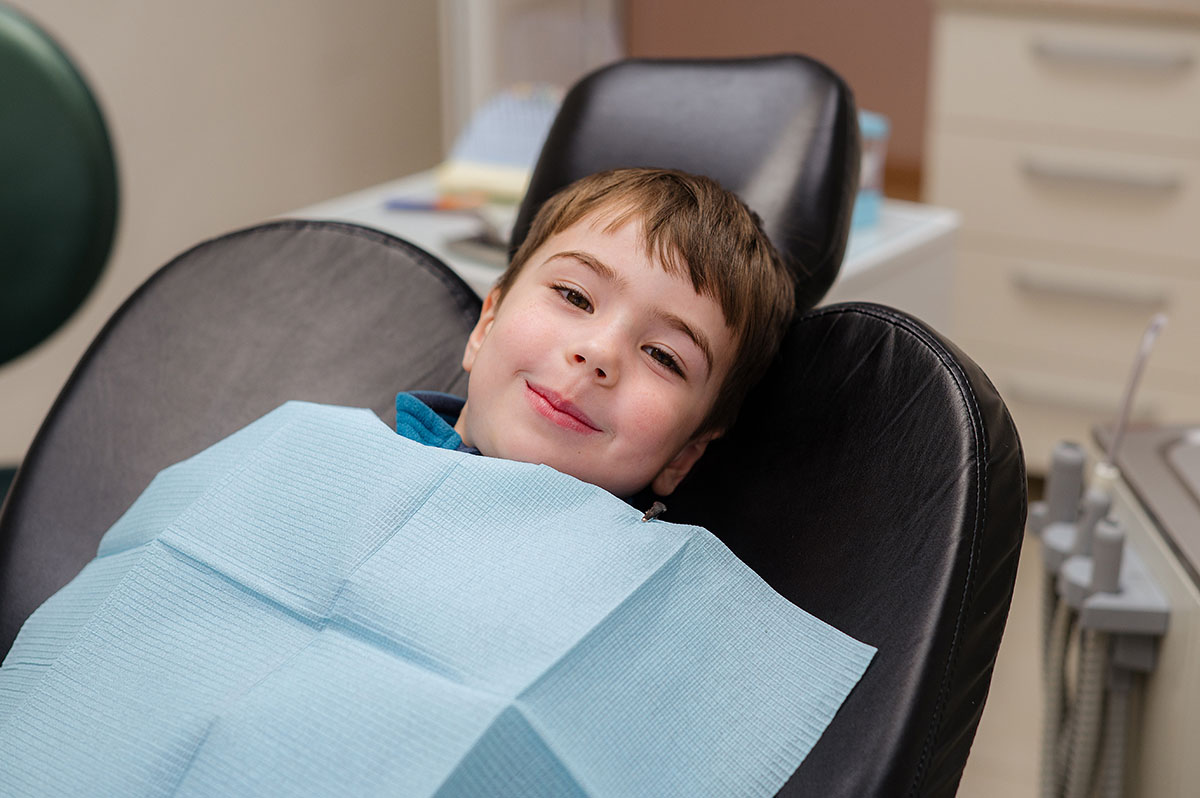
1070, 143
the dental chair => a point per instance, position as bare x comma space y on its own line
875, 477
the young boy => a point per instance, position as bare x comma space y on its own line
622, 338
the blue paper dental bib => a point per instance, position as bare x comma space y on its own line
317, 606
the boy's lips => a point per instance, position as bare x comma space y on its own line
559, 409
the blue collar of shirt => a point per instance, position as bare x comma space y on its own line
428, 417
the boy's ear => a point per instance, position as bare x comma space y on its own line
486, 316
672, 474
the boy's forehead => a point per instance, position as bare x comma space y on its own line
601, 226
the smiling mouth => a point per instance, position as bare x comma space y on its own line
558, 409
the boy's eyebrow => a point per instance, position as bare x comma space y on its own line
599, 267
610, 274
697, 337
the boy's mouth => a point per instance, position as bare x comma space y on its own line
558, 409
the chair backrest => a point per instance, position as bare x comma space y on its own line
58, 195
779, 131
221, 335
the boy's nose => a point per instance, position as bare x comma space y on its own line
597, 354
582, 360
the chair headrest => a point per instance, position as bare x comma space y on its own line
781, 132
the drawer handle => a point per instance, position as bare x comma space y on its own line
1099, 56
1100, 177
1093, 289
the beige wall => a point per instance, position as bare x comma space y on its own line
881, 47
225, 112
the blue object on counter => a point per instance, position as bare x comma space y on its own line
873, 129
509, 128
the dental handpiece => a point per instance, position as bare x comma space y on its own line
1106, 470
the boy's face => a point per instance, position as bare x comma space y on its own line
598, 363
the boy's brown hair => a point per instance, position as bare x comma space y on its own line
697, 230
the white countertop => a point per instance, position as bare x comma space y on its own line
872, 252
1149, 10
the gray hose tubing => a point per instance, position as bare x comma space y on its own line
1116, 728
1054, 678
1089, 711
1049, 604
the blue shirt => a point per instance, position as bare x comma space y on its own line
428, 417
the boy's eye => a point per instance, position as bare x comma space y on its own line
664, 358
574, 297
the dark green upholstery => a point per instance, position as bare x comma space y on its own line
58, 186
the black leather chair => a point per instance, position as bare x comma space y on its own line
875, 478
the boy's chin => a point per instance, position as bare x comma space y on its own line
621, 486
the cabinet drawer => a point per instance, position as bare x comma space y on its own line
1078, 195
1054, 398
1099, 75
1078, 311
